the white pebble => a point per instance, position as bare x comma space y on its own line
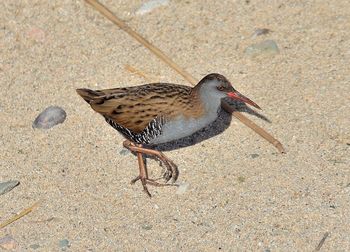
8, 186
182, 188
150, 5
50, 117
265, 47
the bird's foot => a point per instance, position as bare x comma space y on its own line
148, 181
172, 172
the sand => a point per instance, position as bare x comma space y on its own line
242, 194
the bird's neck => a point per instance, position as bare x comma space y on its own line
211, 105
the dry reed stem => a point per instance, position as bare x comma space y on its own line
20, 215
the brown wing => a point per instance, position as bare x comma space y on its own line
135, 107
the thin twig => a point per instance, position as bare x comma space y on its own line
108, 14
320, 244
20, 215
267, 136
133, 70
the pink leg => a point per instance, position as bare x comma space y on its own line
172, 171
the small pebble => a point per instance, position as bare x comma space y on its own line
8, 186
241, 179
146, 226
64, 244
34, 246
150, 5
182, 188
124, 152
8, 243
37, 34
260, 31
50, 117
265, 47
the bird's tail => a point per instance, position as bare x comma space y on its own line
90, 96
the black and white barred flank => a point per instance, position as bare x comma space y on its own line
153, 129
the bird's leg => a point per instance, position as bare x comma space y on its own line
171, 166
143, 176
172, 171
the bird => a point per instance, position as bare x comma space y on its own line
156, 113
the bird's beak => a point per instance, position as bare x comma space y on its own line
239, 97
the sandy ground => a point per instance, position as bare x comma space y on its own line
243, 194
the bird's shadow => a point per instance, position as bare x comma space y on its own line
218, 126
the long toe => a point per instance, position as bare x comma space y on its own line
167, 175
133, 181
155, 183
175, 173
172, 170
145, 189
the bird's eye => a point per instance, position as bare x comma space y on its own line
221, 88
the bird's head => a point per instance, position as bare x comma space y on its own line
216, 86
